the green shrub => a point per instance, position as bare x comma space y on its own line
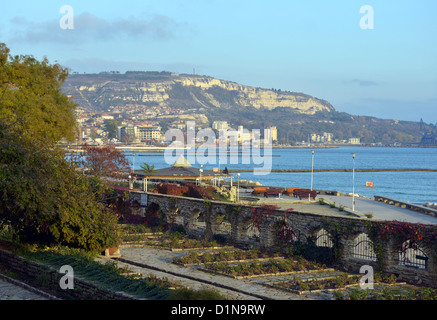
201, 294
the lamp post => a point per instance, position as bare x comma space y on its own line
200, 171
238, 188
353, 181
312, 170
145, 184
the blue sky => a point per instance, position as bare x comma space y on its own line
314, 46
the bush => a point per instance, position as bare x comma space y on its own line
201, 294
46, 201
186, 189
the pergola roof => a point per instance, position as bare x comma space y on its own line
182, 169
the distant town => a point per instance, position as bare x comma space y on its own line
134, 125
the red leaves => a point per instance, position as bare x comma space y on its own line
285, 234
105, 161
172, 189
402, 231
259, 213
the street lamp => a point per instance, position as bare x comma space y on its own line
200, 171
312, 170
353, 181
238, 188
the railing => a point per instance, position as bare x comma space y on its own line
407, 205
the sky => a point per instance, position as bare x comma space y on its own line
366, 57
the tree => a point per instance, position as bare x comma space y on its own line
47, 201
147, 168
31, 100
105, 162
43, 197
128, 138
111, 127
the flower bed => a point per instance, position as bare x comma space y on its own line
169, 241
229, 256
322, 284
333, 283
388, 292
264, 268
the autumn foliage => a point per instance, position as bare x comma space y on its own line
187, 189
105, 161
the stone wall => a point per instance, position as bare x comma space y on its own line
235, 222
51, 277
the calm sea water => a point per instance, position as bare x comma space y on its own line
415, 187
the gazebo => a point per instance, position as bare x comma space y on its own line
182, 170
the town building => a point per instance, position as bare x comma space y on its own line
220, 125
133, 133
354, 141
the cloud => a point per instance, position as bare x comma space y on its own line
90, 28
363, 83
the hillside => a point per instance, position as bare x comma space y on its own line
206, 99
102, 91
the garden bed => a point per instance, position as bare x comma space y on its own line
272, 267
328, 284
169, 241
325, 284
230, 256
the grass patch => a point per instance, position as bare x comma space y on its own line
107, 275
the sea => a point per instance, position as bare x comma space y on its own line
418, 187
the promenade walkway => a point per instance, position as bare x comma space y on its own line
363, 207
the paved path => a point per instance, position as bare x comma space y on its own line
14, 290
363, 206
158, 261
381, 210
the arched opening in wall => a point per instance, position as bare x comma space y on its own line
363, 248
322, 238
197, 222
411, 255
131, 211
318, 247
285, 235
152, 215
174, 218
252, 232
200, 219
222, 227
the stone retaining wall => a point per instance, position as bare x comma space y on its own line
341, 233
51, 277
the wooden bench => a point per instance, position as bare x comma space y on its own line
289, 191
272, 192
259, 190
305, 194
